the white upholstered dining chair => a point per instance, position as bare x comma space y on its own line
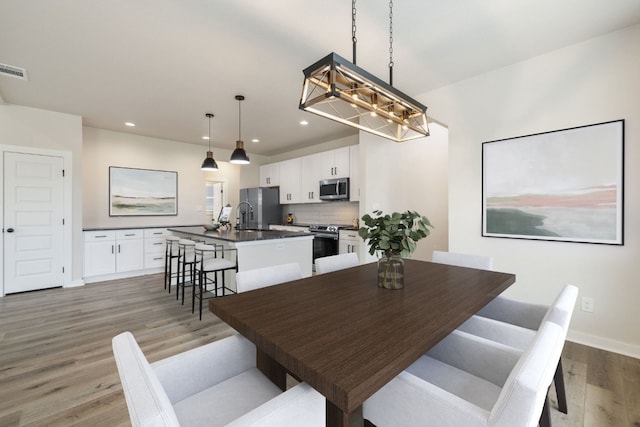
469, 381
249, 280
217, 384
481, 262
336, 262
514, 323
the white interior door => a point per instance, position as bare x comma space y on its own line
33, 222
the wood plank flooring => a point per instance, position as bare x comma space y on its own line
57, 367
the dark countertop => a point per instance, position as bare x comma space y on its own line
239, 235
141, 227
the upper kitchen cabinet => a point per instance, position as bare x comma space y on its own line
290, 181
311, 174
270, 175
354, 173
335, 163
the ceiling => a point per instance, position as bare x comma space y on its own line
163, 63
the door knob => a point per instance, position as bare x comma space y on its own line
9, 230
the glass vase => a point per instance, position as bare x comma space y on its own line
391, 272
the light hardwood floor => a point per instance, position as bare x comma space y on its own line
57, 367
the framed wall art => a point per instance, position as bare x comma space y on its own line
142, 192
565, 185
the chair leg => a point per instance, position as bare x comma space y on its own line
204, 279
166, 269
193, 291
545, 417
560, 391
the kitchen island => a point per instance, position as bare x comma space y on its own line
257, 248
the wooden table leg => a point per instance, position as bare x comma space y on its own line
271, 369
335, 417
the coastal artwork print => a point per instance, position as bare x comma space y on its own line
564, 185
142, 192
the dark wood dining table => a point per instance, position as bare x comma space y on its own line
346, 337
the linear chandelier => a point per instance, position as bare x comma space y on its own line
340, 90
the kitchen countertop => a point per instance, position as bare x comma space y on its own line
239, 235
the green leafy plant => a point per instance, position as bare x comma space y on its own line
394, 234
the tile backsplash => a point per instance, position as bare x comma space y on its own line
323, 213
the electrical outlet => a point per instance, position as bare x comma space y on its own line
587, 304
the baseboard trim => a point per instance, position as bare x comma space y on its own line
605, 344
74, 284
123, 275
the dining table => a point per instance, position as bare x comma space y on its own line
345, 336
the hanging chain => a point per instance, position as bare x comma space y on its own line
391, 42
354, 40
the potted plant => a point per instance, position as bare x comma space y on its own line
392, 237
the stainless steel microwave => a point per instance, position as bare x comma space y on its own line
334, 189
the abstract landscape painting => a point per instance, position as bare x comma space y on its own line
142, 192
564, 185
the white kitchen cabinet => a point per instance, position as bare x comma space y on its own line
335, 163
113, 251
129, 250
270, 175
290, 181
99, 252
349, 241
154, 247
310, 176
354, 173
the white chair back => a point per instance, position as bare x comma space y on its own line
463, 260
523, 395
249, 280
336, 262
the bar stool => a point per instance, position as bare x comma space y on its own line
207, 262
171, 253
186, 258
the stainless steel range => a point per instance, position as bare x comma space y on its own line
325, 241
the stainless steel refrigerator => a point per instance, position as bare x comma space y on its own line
259, 207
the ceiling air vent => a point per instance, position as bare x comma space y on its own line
11, 71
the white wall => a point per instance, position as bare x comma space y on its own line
41, 129
104, 148
409, 175
591, 82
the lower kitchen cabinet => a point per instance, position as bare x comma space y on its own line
111, 254
129, 250
349, 241
99, 252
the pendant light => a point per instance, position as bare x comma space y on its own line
239, 156
340, 90
209, 163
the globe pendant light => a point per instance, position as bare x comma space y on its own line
209, 163
239, 156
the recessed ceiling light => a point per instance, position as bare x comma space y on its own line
304, 122
255, 140
206, 138
130, 124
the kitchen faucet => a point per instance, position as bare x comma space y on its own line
244, 218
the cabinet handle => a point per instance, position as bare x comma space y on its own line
158, 243
157, 233
112, 249
129, 235
101, 236
157, 258
118, 248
